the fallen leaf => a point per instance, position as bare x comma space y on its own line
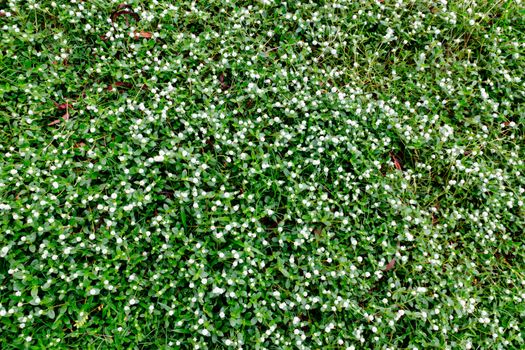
224, 86
124, 84
64, 117
63, 106
119, 84
397, 164
116, 14
434, 219
146, 35
390, 265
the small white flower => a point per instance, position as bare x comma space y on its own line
4, 251
218, 290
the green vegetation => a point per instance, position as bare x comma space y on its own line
262, 174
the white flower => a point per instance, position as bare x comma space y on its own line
4, 251
218, 290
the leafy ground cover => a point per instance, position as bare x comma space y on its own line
262, 175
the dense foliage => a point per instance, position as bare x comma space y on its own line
262, 174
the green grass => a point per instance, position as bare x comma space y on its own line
262, 174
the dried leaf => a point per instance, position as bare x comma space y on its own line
63, 106
224, 86
116, 14
397, 164
123, 6
390, 265
65, 117
146, 35
123, 84
434, 219
119, 84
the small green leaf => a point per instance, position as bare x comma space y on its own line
51, 313
183, 217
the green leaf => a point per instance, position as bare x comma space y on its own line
34, 292
183, 217
51, 313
